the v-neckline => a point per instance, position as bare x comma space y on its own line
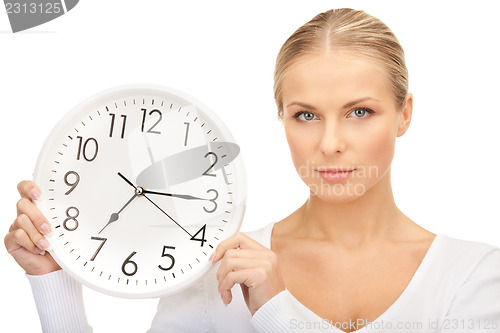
403, 297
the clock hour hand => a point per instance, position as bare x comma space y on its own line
125, 179
182, 196
115, 216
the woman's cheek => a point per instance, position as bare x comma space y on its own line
380, 149
300, 143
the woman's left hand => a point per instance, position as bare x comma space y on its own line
253, 266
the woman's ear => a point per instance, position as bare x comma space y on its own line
406, 115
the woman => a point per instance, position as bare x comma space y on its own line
348, 259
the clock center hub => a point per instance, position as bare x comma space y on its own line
139, 191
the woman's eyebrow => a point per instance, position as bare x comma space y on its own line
346, 106
302, 105
361, 100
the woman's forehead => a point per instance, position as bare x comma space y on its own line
335, 75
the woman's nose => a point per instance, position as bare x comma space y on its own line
332, 140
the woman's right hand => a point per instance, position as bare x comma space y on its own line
25, 241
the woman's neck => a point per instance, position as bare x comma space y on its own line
372, 217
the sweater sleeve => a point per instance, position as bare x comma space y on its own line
284, 313
59, 302
476, 307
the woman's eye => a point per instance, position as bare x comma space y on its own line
361, 112
306, 116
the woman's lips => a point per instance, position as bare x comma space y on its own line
335, 175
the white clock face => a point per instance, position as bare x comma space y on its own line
140, 184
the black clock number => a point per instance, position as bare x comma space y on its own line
211, 166
144, 114
187, 132
73, 225
70, 183
124, 120
202, 239
167, 255
103, 240
212, 200
87, 153
129, 262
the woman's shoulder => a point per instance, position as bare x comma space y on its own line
466, 257
465, 248
262, 234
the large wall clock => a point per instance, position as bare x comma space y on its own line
140, 184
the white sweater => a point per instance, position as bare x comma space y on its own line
455, 289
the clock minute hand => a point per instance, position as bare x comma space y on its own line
182, 196
115, 216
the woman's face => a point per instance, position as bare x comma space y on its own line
340, 115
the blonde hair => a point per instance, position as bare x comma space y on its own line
347, 29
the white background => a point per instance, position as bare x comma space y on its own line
445, 171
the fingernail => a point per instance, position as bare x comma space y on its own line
43, 244
46, 229
35, 194
39, 250
224, 302
212, 256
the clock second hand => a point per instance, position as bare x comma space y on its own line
167, 215
142, 194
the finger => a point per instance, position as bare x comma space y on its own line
18, 239
28, 208
23, 222
236, 259
241, 277
241, 265
28, 189
239, 240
